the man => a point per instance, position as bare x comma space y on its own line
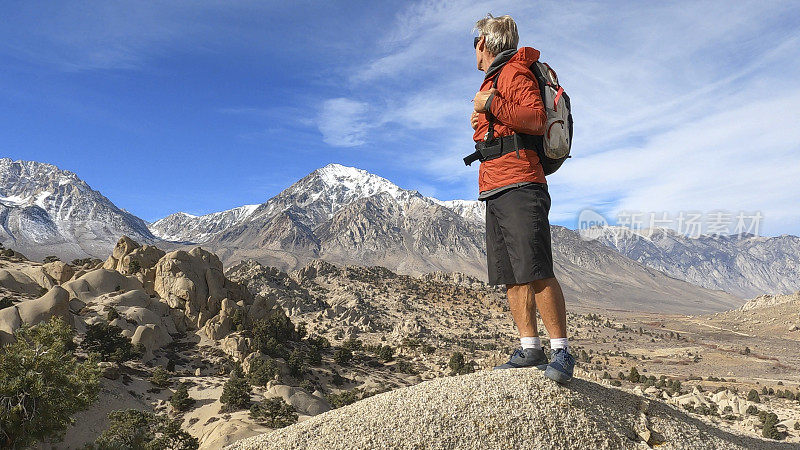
513, 185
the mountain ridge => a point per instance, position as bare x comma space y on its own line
350, 216
45, 210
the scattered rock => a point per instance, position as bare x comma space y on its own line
109, 370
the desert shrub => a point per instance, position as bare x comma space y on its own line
337, 379
109, 342
459, 366
406, 367
262, 371
707, 410
42, 384
428, 348
353, 344
616, 383
752, 410
133, 429
278, 326
385, 353
300, 331
271, 335
320, 342
797, 425
344, 398
343, 355
410, 342
5, 302
51, 258
180, 399
171, 364
238, 320
273, 412
309, 386
134, 266
160, 377
633, 376
235, 392
296, 364
606, 376
752, 396
272, 347
769, 420
314, 356
112, 315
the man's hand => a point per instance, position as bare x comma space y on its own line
480, 99
474, 120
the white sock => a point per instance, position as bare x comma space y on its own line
558, 343
530, 342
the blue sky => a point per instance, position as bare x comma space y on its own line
203, 106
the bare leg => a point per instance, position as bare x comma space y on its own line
523, 308
550, 301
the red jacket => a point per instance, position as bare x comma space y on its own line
517, 107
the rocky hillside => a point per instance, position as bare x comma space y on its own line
326, 336
745, 265
48, 211
504, 409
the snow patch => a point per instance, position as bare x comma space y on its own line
15, 200
358, 180
40, 198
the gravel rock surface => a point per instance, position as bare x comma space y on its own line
516, 408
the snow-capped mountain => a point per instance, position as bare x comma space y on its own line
311, 201
48, 211
744, 265
182, 226
349, 215
472, 210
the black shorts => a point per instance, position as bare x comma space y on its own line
518, 247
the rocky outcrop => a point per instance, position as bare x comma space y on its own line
192, 282
59, 271
18, 281
302, 402
54, 303
500, 410
130, 258
766, 300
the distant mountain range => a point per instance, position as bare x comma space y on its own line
744, 265
48, 211
349, 216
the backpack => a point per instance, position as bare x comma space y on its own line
557, 138
554, 145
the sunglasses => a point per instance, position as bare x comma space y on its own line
475, 43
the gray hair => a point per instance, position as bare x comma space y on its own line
501, 33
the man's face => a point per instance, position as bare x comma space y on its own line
479, 52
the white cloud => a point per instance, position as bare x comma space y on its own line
677, 106
343, 122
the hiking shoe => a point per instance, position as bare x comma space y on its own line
561, 366
529, 357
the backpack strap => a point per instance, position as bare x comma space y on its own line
490, 133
